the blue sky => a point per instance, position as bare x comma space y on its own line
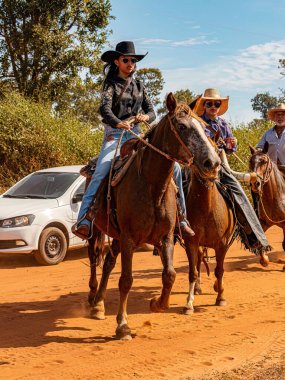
231, 45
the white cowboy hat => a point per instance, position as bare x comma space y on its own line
272, 111
211, 94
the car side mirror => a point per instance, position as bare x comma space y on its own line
77, 197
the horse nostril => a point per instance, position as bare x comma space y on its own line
216, 164
208, 164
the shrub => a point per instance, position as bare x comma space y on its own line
247, 134
31, 138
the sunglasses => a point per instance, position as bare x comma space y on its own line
126, 60
211, 104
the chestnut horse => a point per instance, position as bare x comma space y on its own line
214, 226
270, 189
145, 204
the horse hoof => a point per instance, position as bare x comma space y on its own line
123, 333
221, 302
264, 260
97, 314
155, 305
188, 311
198, 291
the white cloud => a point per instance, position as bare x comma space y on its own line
153, 41
252, 70
201, 40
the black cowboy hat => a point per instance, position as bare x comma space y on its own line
122, 48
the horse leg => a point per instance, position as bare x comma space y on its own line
123, 331
197, 289
98, 307
264, 260
93, 283
283, 243
219, 272
192, 255
161, 303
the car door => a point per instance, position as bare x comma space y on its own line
75, 206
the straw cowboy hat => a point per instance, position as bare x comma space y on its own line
272, 111
211, 94
193, 103
122, 48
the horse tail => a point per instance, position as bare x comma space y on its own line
96, 247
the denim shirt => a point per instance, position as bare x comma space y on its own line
223, 126
276, 148
115, 109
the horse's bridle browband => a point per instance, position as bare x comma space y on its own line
190, 154
267, 172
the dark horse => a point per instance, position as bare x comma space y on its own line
213, 220
145, 203
269, 186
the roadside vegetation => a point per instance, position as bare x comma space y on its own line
32, 138
50, 83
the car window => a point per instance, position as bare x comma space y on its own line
80, 189
43, 185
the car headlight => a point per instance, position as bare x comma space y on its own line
18, 221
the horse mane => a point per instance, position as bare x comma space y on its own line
280, 180
182, 108
279, 177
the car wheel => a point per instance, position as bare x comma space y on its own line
52, 247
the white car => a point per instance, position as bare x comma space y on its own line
36, 214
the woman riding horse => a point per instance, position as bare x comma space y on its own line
144, 206
122, 97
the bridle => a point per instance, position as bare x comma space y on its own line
264, 179
268, 169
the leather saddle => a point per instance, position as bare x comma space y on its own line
126, 155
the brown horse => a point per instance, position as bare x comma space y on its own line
270, 188
145, 203
213, 220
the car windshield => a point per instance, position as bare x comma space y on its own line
42, 185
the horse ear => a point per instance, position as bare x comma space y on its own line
217, 135
171, 103
265, 148
252, 149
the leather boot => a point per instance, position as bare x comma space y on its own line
186, 230
82, 231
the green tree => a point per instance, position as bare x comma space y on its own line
153, 81
45, 45
262, 102
81, 100
282, 66
183, 96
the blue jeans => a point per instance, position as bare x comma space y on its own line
103, 167
178, 180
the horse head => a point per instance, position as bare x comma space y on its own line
190, 144
261, 164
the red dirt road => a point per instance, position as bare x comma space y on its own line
45, 332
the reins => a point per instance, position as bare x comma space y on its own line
188, 163
264, 180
